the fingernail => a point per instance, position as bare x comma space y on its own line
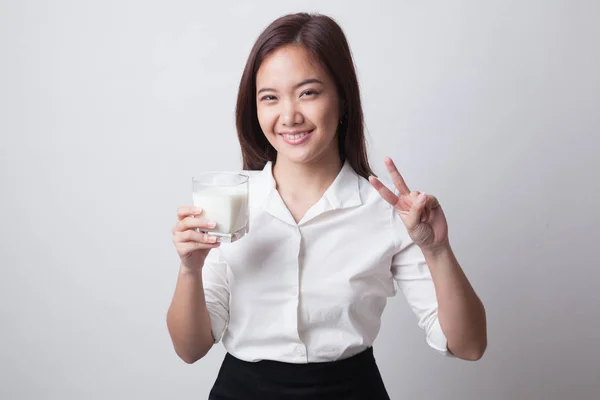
211, 224
197, 210
422, 197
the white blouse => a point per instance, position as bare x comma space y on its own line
315, 291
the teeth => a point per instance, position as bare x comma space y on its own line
296, 136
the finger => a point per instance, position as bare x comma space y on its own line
186, 211
193, 223
187, 247
432, 202
425, 214
194, 236
383, 191
417, 212
396, 177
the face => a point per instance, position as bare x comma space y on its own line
298, 106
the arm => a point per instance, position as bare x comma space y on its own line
435, 285
441, 297
199, 310
187, 319
461, 313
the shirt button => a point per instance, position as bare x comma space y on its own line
300, 351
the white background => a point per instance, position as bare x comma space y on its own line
107, 108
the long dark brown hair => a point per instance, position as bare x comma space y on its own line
326, 41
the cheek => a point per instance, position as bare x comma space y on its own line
328, 116
266, 119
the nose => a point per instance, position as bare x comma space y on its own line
290, 115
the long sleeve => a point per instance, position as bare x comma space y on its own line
412, 275
216, 292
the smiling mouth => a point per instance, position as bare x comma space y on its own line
296, 137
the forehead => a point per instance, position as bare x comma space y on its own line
289, 65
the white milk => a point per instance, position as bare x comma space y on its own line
225, 205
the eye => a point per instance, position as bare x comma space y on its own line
309, 92
267, 98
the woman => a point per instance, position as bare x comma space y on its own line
298, 301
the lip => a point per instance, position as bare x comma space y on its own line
297, 141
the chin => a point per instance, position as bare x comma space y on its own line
296, 158
307, 153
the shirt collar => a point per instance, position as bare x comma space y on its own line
262, 185
344, 192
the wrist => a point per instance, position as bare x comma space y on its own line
187, 271
441, 251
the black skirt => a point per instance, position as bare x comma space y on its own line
354, 378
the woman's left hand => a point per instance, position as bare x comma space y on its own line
421, 213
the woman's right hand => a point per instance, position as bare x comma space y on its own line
192, 246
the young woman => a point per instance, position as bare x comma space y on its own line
298, 301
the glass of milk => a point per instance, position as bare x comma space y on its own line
223, 197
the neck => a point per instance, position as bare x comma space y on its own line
306, 180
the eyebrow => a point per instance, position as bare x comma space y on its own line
304, 82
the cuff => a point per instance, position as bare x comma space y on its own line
217, 324
436, 339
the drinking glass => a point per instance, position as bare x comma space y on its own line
223, 197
